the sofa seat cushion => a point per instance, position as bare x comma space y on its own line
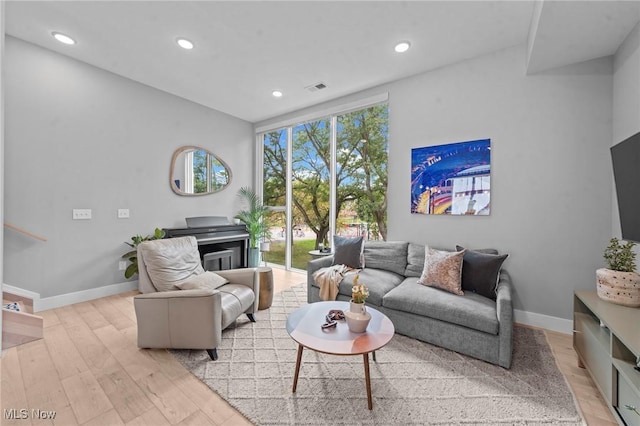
470, 310
378, 282
235, 300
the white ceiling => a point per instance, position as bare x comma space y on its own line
244, 50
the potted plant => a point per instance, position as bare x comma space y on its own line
132, 256
357, 316
254, 217
619, 283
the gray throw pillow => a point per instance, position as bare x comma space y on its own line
347, 251
480, 271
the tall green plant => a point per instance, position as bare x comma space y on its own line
620, 257
132, 256
254, 216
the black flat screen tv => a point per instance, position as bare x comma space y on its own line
625, 157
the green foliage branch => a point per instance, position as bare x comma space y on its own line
620, 256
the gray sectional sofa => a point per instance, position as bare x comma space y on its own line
471, 324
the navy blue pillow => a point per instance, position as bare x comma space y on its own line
347, 251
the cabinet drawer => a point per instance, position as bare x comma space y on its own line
592, 344
628, 396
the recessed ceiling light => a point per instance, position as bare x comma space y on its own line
184, 43
402, 47
63, 38
277, 94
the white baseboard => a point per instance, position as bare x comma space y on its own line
82, 296
21, 292
560, 325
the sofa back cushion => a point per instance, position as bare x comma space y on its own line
170, 261
386, 255
415, 260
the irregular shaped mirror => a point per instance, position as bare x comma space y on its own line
196, 171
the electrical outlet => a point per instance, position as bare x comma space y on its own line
81, 214
122, 265
123, 213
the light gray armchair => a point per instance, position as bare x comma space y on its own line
194, 317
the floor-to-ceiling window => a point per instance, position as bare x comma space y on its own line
361, 173
325, 177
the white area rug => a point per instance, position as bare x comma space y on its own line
412, 382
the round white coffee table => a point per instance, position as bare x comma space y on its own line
304, 326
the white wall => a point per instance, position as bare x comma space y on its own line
81, 137
551, 178
626, 101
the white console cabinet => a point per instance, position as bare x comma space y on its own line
606, 337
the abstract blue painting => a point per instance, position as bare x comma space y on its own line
452, 179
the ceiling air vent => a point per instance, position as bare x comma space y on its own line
316, 87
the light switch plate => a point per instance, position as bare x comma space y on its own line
81, 214
123, 213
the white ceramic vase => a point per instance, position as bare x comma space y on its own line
357, 317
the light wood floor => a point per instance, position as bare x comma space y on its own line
89, 370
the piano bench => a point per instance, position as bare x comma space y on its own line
218, 260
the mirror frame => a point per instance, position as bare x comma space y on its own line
174, 158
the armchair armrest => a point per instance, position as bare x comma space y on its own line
167, 319
244, 276
504, 311
249, 277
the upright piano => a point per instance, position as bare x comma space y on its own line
215, 233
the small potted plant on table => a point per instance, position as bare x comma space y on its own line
357, 316
619, 283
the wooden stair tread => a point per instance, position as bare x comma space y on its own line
22, 326
26, 303
19, 302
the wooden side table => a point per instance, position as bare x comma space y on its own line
266, 288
